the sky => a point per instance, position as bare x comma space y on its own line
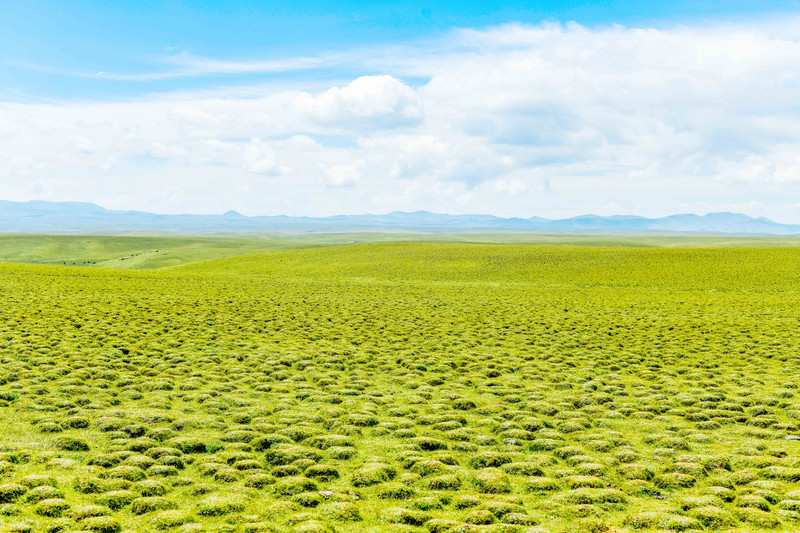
549, 108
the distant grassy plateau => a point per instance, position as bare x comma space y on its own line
158, 251
321, 383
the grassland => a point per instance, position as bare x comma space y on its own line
418, 387
162, 251
131, 252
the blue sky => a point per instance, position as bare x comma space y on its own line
63, 49
315, 108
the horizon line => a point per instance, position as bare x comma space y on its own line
418, 211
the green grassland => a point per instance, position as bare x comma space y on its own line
133, 252
160, 251
402, 387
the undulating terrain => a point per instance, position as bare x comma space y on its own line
439, 387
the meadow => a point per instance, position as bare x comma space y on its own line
401, 387
155, 251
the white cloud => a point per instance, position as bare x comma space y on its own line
367, 102
513, 186
186, 65
259, 158
5, 127
345, 175
193, 65
547, 120
83, 144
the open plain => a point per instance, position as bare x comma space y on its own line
403, 387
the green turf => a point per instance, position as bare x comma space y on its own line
418, 387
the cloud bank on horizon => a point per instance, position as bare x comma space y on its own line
516, 119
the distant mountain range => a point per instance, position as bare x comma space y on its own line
77, 217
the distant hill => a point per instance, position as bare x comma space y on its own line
77, 217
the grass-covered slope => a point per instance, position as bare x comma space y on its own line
726, 269
163, 251
130, 252
405, 388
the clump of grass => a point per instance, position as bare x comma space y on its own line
758, 518
589, 482
171, 519
636, 471
523, 469
69, 443
11, 492
322, 472
341, 453
189, 444
542, 484
492, 481
341, 512
148, 504
258, 481
116, 499
674, 480
519, 519
43, 492
52, 507
466, 501
713, 517
753, 501
308, 499
480, 517
394, 491
286, 454
372, 474
219, 506
125, 472
586, 496
428, 444
84, 512
150, 487
450, 482
38, 480
725, 494
503, 508
7, 509
427, 467
101, 524
294, 485
490, 460
401, 515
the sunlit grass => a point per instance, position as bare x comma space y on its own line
405, 387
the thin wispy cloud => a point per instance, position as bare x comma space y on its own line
186, 65
97, 75
189, 64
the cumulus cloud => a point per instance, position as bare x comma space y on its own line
549, 120
367, 102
